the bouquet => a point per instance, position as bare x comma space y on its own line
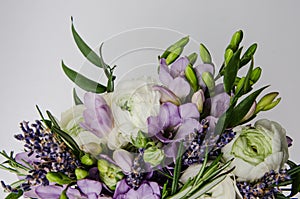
190, 133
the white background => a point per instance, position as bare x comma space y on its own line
35, 37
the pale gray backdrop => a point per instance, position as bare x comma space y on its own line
35, 37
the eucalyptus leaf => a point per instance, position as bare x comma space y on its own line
83, 82
231, 70
77, 100
85, 49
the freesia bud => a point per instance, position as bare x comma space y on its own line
153, 155
250, 113
81, 174
228, 55
86, 159
236, 40
192, 58
205, 55
209, 81
109, 173
267, 102
198, 99
63, 195
191, 77
180, 43
174, 55
58, 178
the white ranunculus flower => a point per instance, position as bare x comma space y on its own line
257, 150
225, 189
70, 123
132, 102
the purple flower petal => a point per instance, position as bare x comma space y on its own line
180, 87
97, 116
166, 95
123, 159
49, 192
188, 126
24, 159
74, 194
164, 73
189, 110
178, 67
219, 104
89, 186
203, 68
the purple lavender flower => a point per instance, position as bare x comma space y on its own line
97, 116
149, 190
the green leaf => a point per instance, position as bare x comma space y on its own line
243, 107
85, 49
77, 100
83, 82
69, 140
205, 55
177, 169
58, 178
231, 70
46, 122
14, 195
52, 119
248, 55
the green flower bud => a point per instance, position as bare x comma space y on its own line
209, 81
58, 178
181, 43
191, 77
140, 141
250, 113
267, 102
174, 55
153, 155
86, 159
109, 173
236, 40
228, 55
192, 58
205, 55
255, 75
198, 99
81, 174
248, 54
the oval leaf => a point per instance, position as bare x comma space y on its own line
83, 82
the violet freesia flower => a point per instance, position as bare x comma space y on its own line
98, 117
174, 77
174, 123
49, 192
149, 190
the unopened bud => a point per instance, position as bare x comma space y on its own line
191, 77
180, 43
81, 174
166, 95
198, 99
228, 55
236, 40
250, 113
267, 102
209, 81
205, 55
86, 159
174, 55
192, 58
140, 141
